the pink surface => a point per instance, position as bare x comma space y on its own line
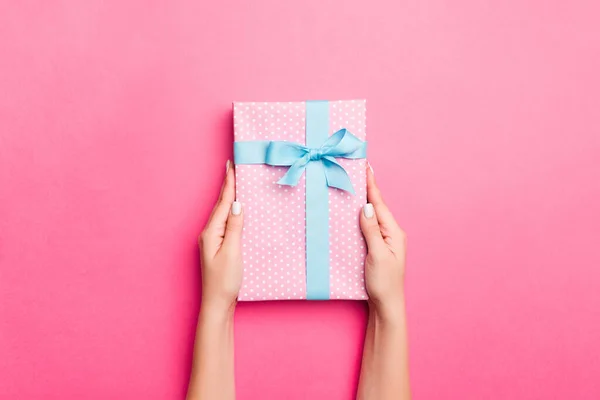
484, 131
274, 240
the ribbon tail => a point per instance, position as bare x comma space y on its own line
293, 174
336, 175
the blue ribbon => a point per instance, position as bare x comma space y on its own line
318, 159
341, 144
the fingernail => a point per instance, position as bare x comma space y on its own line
371, 168
226, 167
368, 210
236, 208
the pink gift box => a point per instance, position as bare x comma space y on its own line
274, 238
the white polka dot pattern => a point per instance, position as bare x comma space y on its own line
273, 242
347, 248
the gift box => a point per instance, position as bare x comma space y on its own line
301, 178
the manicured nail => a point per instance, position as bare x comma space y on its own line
226, 167
236, 208
368, 210
371, 168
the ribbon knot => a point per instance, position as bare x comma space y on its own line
315, 154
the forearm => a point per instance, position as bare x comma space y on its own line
212, 376
384, 372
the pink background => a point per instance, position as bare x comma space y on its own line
484, 129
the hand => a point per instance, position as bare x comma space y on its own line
220, 250
386, 257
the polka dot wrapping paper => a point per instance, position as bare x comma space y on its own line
274, 237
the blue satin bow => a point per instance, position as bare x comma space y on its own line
281, 153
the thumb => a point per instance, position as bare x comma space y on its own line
370, 228
233, 229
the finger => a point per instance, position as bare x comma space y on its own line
369, 226
233, 230
220, 212
223, 191
386, 219
212, 236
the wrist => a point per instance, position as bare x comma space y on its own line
389, 310
219, 311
